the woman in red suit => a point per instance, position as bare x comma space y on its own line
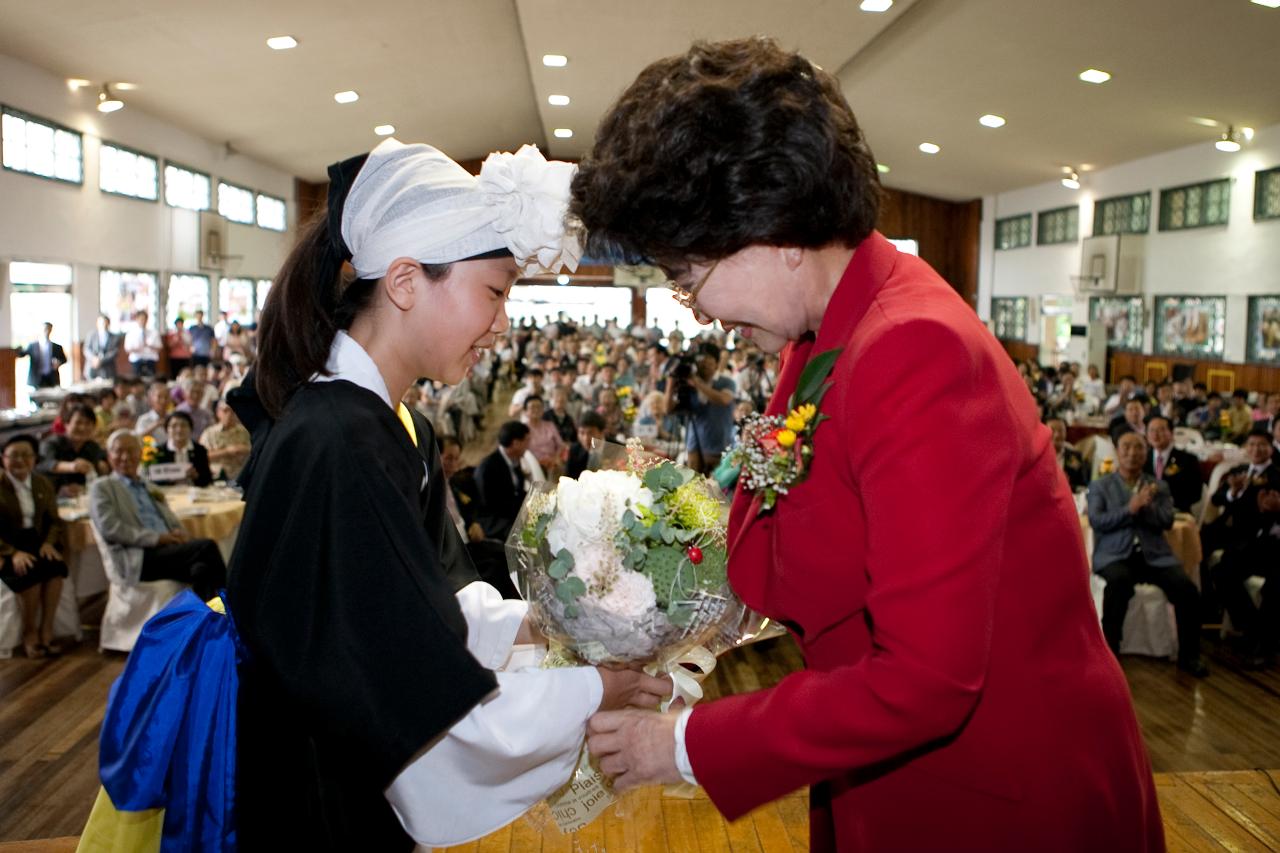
958, 693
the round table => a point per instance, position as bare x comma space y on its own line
212, 513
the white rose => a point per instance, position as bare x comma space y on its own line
587, 508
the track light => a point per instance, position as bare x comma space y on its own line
1071, 180
1229, 142
108, 102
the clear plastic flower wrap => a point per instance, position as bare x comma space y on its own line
627, 564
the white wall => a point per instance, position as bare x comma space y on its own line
1237, 260
44, 220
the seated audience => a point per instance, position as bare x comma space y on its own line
1211, 419
501, 481
146, 539
584, 454
463, 499
544, 438
610, 409
1181, 470
1115, 403
1129, 512
561, 414
1069, 459
151, 421
1094, 386
72, 458
1241, 416
179, 449
32, 542
1249, 534
1132, 419
227, 443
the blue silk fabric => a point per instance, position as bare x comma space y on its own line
169, 735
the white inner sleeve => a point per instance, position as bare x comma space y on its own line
511, 751
682, 752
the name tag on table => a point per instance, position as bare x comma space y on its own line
166, 472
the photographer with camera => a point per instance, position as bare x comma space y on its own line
704, 402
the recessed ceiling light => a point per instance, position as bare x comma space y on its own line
875, 5
929, 148
882, 168
558, 100
1270, 4
125, 87
385, 129
990, 120
1247, 132
347, 97
1086, 167
75, 84
282, 42
555, 60
562, 133
1093, 75
1203, 122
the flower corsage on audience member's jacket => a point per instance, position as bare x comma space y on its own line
775, 451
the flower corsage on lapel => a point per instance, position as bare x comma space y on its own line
775, 451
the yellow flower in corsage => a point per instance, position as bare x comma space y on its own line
774, 451
1172, 469
1107, 466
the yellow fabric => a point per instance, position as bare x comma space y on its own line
112, 831
407, 420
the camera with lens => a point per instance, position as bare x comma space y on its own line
680, 370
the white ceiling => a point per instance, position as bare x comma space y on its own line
466, 75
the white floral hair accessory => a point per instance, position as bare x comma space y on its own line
531, 197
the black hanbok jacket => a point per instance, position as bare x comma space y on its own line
355, 646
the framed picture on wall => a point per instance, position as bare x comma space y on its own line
1264, 329
1009, 318
1191, 325
1123, 318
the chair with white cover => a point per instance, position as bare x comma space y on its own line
532, 468
1188, 439
129, 606
66, 622
1100, 451
1150, 627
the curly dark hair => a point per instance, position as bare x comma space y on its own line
731, 144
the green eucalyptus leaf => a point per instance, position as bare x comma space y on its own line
558, 568
815, 373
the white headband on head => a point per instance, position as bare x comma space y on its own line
413, 201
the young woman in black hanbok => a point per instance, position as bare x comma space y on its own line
378, 702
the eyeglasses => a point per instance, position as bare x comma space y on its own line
687, 295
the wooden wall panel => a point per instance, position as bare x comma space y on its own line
1221, 376
948, 233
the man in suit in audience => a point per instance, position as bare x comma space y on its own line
1069, 459
463, 503
45, 359
1249, 534
501, 481
100, 350
591, 428
1131, 419
146, 539
1181, 470
1129, 512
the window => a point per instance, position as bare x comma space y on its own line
1195, 206
1266, 194
235, 297
1191, 325
271, 213
579, 303
1009, 317
1058, 226
1122, 318
187, 295
1013, 232
1264, 329
40, 293
1127, 214
260, 292
186, 188
125, 172
39, 147
235, 203
123, 293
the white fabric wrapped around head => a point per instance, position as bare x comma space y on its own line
413, 201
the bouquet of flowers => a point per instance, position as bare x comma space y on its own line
626, 566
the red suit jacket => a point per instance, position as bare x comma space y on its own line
958, 693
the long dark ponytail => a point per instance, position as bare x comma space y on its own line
308, 303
